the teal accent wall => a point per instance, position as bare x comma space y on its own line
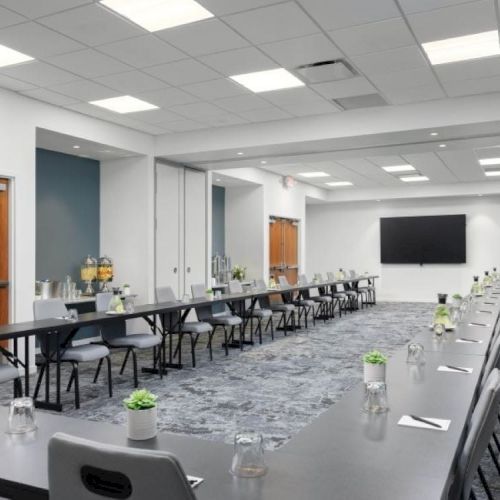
218, 220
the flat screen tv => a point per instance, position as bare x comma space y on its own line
437, 239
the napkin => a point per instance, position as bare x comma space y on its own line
468, 341
444, 368
194, 481
407, 421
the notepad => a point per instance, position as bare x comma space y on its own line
466, 341
407, 421
194, 481
444, 368
484, 325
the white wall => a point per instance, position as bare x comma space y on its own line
347, 235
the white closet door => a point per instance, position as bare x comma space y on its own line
194, 228
168, 237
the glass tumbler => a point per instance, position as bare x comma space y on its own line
248, 458
21, 416
375, 398
439, 329
73, 314
415, 354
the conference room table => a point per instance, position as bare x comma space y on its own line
344, 453
50, 332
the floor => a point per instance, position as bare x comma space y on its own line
276, 388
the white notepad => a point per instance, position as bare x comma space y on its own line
444, 368
463, 341
194, 481
407, 421
485, 325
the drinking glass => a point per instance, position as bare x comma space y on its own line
375, 398
248, 458
129, 305
21, 416
439, 329
415, 354
73, 314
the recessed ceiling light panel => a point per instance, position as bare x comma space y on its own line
492, 173
124, 104
398, 168
339, 183
8, 56
414, 178
489, 161
265, 81
155, 15
312, 175
463, 48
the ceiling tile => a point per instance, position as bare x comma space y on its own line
183, 72
215, 89
467, 70
92, 24
391, 61
50, 97
235, 62
412, 6
472, 87
38, 8
463, 164
345, 88
224, 120
273, 23
8, 18
142, 51
289, 97
430, 164
204, 37
415, 94
38, 73
167, 97
265, 115
9, 83
198, 110
156, 116
304, 50
36, 41
457, 20
404, 79
221, 7
183, 126
131, 82
373, 37
336, 14
91, 110
89, 63
240, 103
320, 107
366, 168
85, 90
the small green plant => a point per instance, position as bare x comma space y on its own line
457, 296
375, 358
239, 272
441, 311
209, 291
126, 285
141, 399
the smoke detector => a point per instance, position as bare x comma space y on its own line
326, 71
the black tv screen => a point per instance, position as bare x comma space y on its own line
423, 240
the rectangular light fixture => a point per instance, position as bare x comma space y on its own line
124, 104
264, 81
414, 178
8, 56
489, 161
314, 174
492, 173
398, 168
155, 15
462, 48
339, 183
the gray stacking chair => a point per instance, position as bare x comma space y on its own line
87, 470
53, 308
9, 373
305, 305
287, 311
223, 320
363, 291
482, 424
258, 314
352, 296
114, 335
339, 298
324, 300
192, 328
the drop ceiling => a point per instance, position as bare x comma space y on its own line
85, 52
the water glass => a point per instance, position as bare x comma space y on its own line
415, 354
73, 314
218, 294
129, 305
439, 329
21, 416
248, 458
375, 398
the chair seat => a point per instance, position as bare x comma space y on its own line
197, 327
262, 313
306, 302
8, 372
322, 298
88, 352
339, 295
139, 341
282, 307
224, 320
351, 293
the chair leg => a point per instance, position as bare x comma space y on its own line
226, 348
39, 381
209, 345
272, 328
485, 483
124, 362
495, 438
71, 379
77, 385
259, 327
134, 364
472, 495
96, 376
193, 347
110, 380
494, 458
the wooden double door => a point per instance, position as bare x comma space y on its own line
283, 249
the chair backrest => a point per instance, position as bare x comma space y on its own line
492, 362
165, 294
235, 286
111, 329
303, 279
204, 312
283, 281
264, 302
330, 276
86, 470
482, 424
49, 309
352, 272
260, 285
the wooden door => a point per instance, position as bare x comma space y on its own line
290, 251
4, 254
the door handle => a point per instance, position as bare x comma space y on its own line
4, 284
175, 270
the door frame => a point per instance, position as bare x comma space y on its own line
298, 222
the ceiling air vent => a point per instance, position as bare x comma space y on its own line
326, 71
360, 101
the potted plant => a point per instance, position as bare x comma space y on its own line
126, 289
141, 415
374, 366
239, 272
209, 294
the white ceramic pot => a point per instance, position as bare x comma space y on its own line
141, 424
210, 296
126, 291
373, 372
